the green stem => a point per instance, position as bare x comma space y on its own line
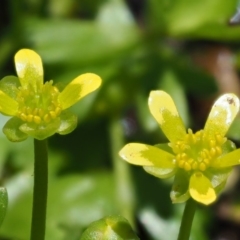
39, 190
124, 186
187, 220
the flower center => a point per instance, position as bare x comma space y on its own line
39, 106
196, 151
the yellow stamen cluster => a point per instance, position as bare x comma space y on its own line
40, 106
196, 151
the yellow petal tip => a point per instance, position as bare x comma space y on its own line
163, 109
78, 88
201, 190
207, 198
29, 68
222, 115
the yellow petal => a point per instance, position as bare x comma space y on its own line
8, 105
165, 112
78, 88
222, 115
29, 68
146, 155
228, 160
201, 189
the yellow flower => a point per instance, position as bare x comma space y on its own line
39, 109
201, 161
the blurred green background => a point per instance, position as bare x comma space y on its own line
184, 47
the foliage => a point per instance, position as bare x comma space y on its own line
154, 46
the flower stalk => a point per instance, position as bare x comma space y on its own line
40, 188
187, 220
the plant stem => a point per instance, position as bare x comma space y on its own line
187, 220
124, 186
39, 190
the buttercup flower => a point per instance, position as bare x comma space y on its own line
201, 161
39, 109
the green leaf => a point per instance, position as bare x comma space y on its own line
209, 13
157, 12
116, 12
3, 203
19, 214
90, 41
110, 228
74, 201
193, 19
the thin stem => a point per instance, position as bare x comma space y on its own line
39, 190
124, 185
187, 220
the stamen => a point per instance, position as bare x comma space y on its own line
197, 151
29, 118
181, 164
206, 161
35, 111
187, 166
23, 116
212, 143
213, 152
41, 113
218, 150
29, 110
53, 114
202, 166
58, 110
37, 119
195, 166
46, 118
39, 106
